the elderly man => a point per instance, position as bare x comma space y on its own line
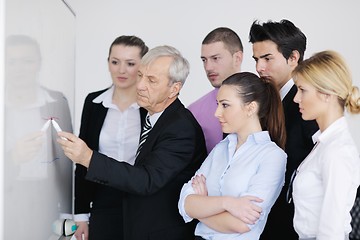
172, 148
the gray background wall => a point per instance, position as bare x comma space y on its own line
328, 24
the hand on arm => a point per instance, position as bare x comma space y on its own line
244, 208
222, 213
238, 213
75, 148
198, 183
199, 205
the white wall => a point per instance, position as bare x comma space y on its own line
328, 24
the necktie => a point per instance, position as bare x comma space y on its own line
145, 132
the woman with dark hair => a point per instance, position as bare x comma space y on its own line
248, 164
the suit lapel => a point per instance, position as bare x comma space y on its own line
157, 128
289, 98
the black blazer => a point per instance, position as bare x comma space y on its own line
299, 134
173, 151
103, 197
298, 145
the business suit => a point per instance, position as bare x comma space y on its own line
298, 145
106, 213
173, 151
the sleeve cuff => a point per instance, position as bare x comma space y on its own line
81, 217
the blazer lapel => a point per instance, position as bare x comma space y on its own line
157, 128
289, 98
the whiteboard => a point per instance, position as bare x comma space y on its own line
39, 85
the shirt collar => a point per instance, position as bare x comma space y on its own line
337, 126
286, 88
154, 117
257, 137
106, 99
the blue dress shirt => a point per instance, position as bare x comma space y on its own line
257, 168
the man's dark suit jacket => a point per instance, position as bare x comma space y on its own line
106, 212
298, 145
173, 151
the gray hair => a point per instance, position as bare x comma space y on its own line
179, 68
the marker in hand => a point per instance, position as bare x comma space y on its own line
57, 127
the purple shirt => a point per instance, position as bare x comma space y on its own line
204, 109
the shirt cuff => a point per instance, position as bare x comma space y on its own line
186, 191
81, 217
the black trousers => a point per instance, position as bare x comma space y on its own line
106, 224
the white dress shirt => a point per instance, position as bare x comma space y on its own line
119, 136
325, 186
257, 168
120, 133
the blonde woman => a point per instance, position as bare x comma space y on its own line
326, 182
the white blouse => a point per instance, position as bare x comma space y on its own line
119, 136
324, 189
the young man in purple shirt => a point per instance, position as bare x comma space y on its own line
222, 55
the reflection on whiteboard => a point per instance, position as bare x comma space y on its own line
38, 176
